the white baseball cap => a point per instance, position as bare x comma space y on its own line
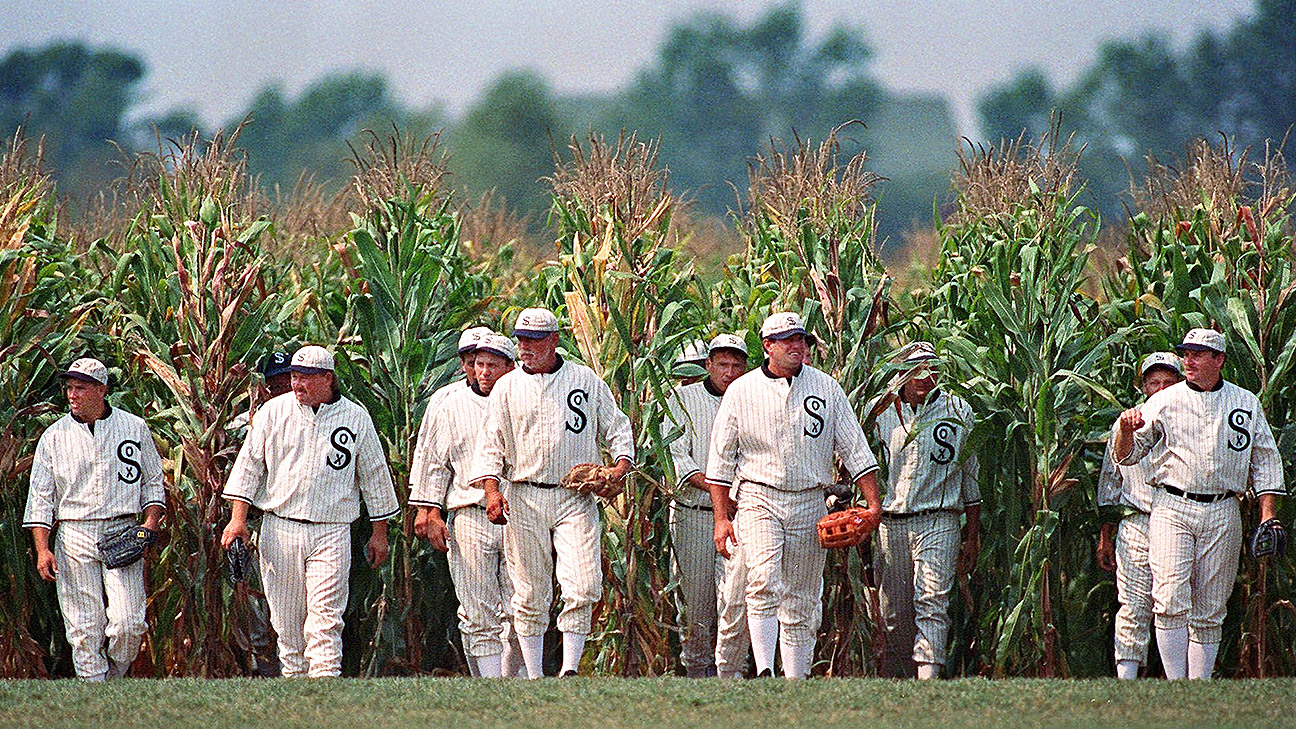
727, 341
88, 369
312, 359
498, 344
471, 337
919, 352
695, 352
1161, 359
1203, 339
535, 323
783, 325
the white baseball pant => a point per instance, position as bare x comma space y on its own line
785, 566
1193, 553
1133, 589
733, 639
83, 583
699, 569
481, 583
305, 568
917, 558
542, 522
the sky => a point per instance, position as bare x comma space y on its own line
213, 57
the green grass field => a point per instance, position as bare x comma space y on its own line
655, 703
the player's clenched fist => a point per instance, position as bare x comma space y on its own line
1131, 420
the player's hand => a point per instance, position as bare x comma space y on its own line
437, 533
421, 518
724, 536
376, 549
234, 530
968, 553
46, 565
1106, 551
728, 507
496, 508
1131, 420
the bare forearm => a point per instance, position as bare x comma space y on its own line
698, 481
41, 537
868, 488
972, 526
1268, 506
153, 516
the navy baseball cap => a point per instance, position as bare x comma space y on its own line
275, 364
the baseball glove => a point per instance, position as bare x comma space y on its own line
125, 547
1269, 540
586, 478
845, 528
239, 559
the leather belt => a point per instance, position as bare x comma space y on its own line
1199, 498
697, 507
289, 518
901, 516
537, 484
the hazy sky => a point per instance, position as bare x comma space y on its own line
214, 56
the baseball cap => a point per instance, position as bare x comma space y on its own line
695, 352
1202, 340
275, 364
471, 337
535, 323
497, 344
727, 341
88, 369
919, 352
312, 359
783, 325
1160, 359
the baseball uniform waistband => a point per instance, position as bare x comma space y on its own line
901, 516
289, 518
537, 484
695, 507
1199, 498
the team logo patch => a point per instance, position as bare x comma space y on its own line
342, 438
944, 434
577, 421
814, 407
1239, 421
128, 454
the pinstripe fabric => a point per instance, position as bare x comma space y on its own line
77, 474
305, 568
692, 411
1193, 554
1130, 486
417, 465
916, 558
481, 582
699, 570
445, 451
923, 450
83, 583
1133, 589
313, 465
733, 639
542, 523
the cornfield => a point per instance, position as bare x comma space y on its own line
191, 273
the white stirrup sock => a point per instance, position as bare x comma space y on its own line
471, 660
1172, 643
573, 649
764, 639
1201, 659
1127, 670
533, 654
511, 663
928, 671
488, 666
796, 659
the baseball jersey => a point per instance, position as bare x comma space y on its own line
539, 425
1128, 486
313, 465
1208, 442
782, 432
445, 455
417, 465
927, 468
77, 474
692, 410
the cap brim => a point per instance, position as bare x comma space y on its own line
1197, 348
468, 350
532, 333
82, 376
1161, 366
735, 350
810, 338
496, 352
304, 370
277, 371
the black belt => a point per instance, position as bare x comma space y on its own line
289, 518
1199, 498
901, 516
698, 507
537, 484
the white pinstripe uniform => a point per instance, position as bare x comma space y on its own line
85, 484
1207, 444
308, 471
538, 426
1129, 489
775, 438
698, 567
930, 481
476, 546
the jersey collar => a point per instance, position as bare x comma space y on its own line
558, 363
712, 388
1219, 385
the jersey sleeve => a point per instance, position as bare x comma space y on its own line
681, 449
1266, 461
849, 441
1110, 483
374, 477
614, 425
153, 492
433, 479
249, 472
1145, 437
422, 447
489, 460
40, 491
722, 459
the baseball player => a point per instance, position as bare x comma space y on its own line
1125, 493
475, 546
931, 486
775, 437
693, 353
698, 568
541, 421
94, 471
309, 459
1207, 439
